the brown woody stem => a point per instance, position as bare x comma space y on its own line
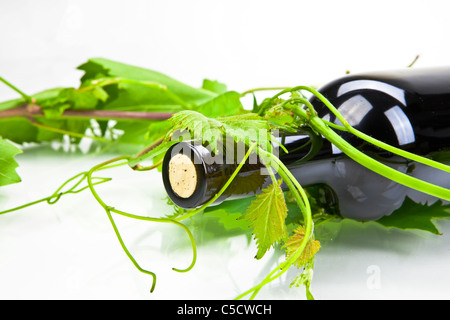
33, 110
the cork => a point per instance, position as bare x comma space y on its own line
182, 175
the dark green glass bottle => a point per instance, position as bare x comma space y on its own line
409, 109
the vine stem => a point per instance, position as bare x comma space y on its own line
35, 111
70, 133
55, 196
310, 117
303, 202
109, 209
369, 162
262, 89
347, 127
24, 95
32, 112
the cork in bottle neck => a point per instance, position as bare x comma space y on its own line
182, 175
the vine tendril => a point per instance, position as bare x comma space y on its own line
108, 209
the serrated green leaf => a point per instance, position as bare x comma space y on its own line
279, 116
293, 244
8, 164
267, 214
412, 215
247, 127
243, 128
200, 127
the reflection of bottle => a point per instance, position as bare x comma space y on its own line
409, 109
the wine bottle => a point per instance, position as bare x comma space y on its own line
408, 109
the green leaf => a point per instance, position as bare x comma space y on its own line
99, 67
55, 110
279, 116
242, 128
214, 86
41, 98
8, 164
412, 215
293, 244
82, 99
249, 183
225, 104
134, 132
48, 135
9, 104
18, 130
229, 218
247, 127
231, 212
304, 279
110, 85
157, 130
267, 214
200, 127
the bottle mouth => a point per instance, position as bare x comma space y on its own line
184, 174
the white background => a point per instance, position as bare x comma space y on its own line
69, 250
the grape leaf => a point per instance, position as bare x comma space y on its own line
413, 215
214, 86
294, 242
244, 128
8, 164
267, 214
225, 104
100, 67
304, 279
18, 130
201, 128
83, 99
228, 214
110, 85
40, 97
247, 127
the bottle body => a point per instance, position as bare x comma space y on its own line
409, 109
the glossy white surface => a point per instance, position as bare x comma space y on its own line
68, 250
